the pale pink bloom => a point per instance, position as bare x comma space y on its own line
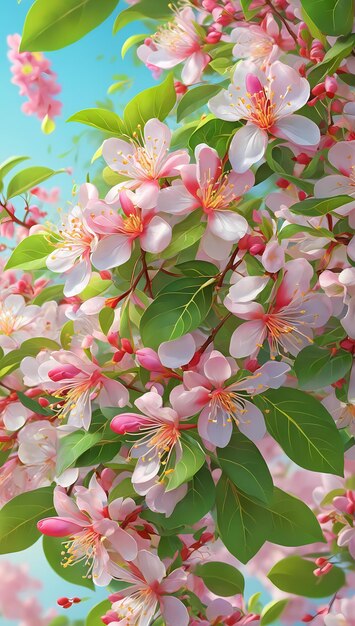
342, 157
12, 412
177, 42
159, 428
347, 615
50, 197
293, 312
342, 412
260, 44
148, 593
119, 232
74, 244
78, 381
93, 526
267, 101
178, 352
37, 82
205, 186
33, 614
143, 161
221, 405
346, 538
17, 321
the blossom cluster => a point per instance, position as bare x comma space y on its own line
177, 361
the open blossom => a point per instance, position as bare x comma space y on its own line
98, 531
288, 322
205, 186
17, 321
148, 594
346, 616
74, 244
177, 42
267, 101
159, 428
262, 44
78, 381
221, 405
143, 161
33, 75
342, 157
119, 232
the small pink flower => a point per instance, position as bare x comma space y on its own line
261, 44
143, 161
17, 321
93, 525
288, 323
178, 42
205, 186
119, 232
342, 157
148, 593
267, 101
222, 404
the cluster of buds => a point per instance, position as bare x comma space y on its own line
66, 603
323, 566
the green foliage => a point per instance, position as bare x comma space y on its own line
322, 206
185, 234
19, 517
332, 59
159, 9
195, 98
317, 368
272, 611
178, 309
53, 548
30, 254
242, 462
220, 578
94, 617
8, 165
104, 120
153, 102
192, 459
29, 347
292, 522
330, 16
59, 23
29, 178
215, 133
295, 575
304, 429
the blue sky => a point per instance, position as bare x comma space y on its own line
85, 71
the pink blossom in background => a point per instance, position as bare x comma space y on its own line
37, 82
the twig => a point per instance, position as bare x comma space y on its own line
283, 20
214, 333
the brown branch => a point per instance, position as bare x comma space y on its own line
283, 20
214, 333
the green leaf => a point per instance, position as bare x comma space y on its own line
169, 546
178, 309
8, 165
102, 119
334, 333
66, 334
106, 318
332, 17
53, 548
221, 578
153, 102
159, 9
53, 292
19, 517
295, 575
292, 522
58, 23
124, 489
317, 368
320, 206
132, 41
248, 14
95, 287
29, 178
215, 133
195, 98
304, 429
94, 616
31, 404
192, 459
185, 234
198, 268
72, 446
272, 611
242, 523
30, 254
288, 231
242, 462
29, 347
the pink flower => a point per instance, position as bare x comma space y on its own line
31, 72
50, 197
267, 102
346, 538
93, 525
223, 404
148, 593
177, 42
119, 232
75, 243
342, 157
347, 615
143, 161
160, 431
260, 44
292, 314
205, 186
17, 321
78, 381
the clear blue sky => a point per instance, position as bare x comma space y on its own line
85, 71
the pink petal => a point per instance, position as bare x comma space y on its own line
176, 200
112, 251
247, 147
297, 129
156, 236
227, 225
178, 352
247, 339
152, 568
217, 368
174, 611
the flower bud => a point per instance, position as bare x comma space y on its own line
128, 423
57, 527
149, 359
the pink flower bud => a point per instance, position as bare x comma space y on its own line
180, 88
105, 275
57, 527
149, 359
65, 371
331, 86
253, 84
128, 423
126, 346
213, 37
